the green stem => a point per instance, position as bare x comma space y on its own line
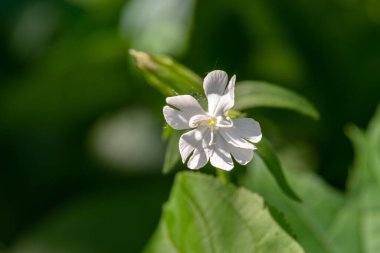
223, 175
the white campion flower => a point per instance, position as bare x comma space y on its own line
214, 136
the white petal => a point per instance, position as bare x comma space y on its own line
176, 119
186, 103
221, 157
186, 146
241, 155
215, 82
231, 89
248, 129
187, 107
232, 136
196, 142
220, 97
197, 160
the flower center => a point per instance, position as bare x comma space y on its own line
212, 122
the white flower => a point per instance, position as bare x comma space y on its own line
214, 136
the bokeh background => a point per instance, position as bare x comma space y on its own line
80, 144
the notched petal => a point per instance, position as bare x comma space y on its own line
222, 160
241, 155
176, 119
221, 157
248, 129
185, 107
197, 160
232, 136
220, 97
194, 147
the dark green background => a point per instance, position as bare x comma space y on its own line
67, 66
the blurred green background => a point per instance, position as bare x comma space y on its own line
80, 143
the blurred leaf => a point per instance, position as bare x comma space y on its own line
102, 8
166, 75
366, 169
357, 225
360, 175
266, 152
250, 94
206, 215
274, 55
374, 128
345, 230
158, 26
166, 132
98, 222
172, 152
310, 219
60, 91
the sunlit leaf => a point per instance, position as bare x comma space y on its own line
166, 75
266, 152
250, 94
172, 152
205, 215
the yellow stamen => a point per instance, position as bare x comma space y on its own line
211, 122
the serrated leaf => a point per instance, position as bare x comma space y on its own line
206, 215
280, 219
310, 219
166, 75
250, 94
172, 155
266, 152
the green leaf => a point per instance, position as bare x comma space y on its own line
310, 219
266, 152
206, 215
280, 219
172, 155
166, 75
250, 94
